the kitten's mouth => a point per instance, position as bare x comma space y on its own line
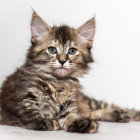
61, 68
61, 71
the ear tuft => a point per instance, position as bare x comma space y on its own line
38, 28
33, 11
87, 31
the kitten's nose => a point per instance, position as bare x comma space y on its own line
62, 61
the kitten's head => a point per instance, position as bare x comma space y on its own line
62, 51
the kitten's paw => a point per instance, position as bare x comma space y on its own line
82, 125
46, 124
120, 116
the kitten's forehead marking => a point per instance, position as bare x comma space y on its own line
63, 33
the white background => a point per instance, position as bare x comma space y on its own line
115, 75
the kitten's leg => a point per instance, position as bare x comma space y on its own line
71, 121
27, 114
39, 123
42, 124
112, 115
99, 110
32, 118
75, 123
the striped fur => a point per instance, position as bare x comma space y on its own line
46, 95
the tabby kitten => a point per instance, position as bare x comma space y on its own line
45, 93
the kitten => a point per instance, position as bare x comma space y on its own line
45, 93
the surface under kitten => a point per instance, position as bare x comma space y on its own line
45, 94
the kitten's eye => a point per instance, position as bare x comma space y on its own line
72, 51
52, 50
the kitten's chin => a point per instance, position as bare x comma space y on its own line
62, 72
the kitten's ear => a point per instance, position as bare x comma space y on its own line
87, 31
39, 29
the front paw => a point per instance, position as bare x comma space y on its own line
81, 125
46, 124
120, 116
